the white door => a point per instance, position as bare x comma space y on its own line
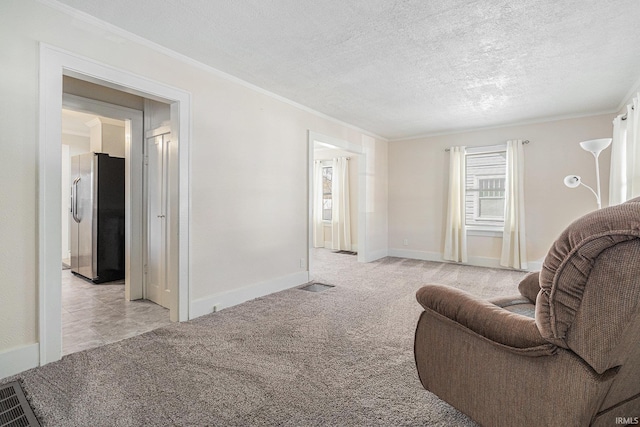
156, 183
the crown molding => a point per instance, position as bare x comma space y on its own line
627, 99
98, 23
522, 123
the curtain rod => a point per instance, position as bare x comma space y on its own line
526, 141
625, 116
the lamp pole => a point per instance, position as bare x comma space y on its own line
596, 155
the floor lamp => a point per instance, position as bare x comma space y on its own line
595, 147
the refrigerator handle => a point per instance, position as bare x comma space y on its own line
74, 200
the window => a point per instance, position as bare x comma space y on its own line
327, 173
485, 189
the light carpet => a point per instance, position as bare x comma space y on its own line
341, 357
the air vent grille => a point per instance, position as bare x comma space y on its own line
316, 287
14, 408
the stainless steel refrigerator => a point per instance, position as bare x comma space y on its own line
96, 220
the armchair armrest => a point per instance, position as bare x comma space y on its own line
484, 318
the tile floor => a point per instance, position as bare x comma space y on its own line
95, 315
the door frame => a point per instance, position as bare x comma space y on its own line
361, 154
54, 64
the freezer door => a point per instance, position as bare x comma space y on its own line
86, 212
73, 218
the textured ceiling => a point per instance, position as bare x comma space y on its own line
407, 67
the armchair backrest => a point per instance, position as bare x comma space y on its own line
589, 299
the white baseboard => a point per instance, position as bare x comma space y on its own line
230, 298
19, 359
474, 260
421, 255
535, 265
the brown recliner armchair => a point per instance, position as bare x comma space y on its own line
565, 353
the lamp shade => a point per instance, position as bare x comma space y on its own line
572, 181
595, 146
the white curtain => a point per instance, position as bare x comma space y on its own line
455, 243
318, 226
340, 223
514, 252
624, 179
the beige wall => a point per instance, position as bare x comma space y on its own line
113, 140
77, 144
107, 137
418, 182
89, 90
248, 166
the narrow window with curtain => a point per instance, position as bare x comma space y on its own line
485, 189
486, 197
327, 182
340, 213
318, 204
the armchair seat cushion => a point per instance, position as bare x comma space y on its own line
516, 304
486, 319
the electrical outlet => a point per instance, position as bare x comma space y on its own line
405, 242
301, 262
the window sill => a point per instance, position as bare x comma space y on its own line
486, 232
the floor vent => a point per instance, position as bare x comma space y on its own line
14, 408
346, 252
316, 287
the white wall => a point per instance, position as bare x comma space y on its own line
107, 136
248, 167
77, 144
113, 140
418, 182
377, 201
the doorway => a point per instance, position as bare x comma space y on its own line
95, 309
323, 147
54, 64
